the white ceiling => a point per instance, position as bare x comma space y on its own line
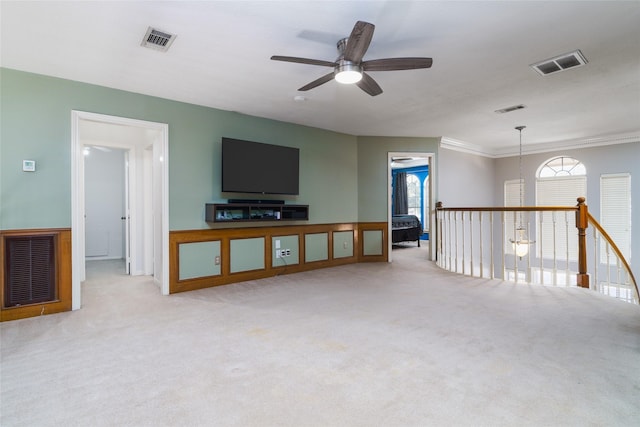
481, 55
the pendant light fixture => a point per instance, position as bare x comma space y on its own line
520, 241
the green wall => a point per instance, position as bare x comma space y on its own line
35, 119
373, 173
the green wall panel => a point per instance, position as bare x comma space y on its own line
342, 244
36, 124
286, 242
247, 254
373, 198
198, 259
316, 247
372, 241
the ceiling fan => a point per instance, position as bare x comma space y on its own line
349, 68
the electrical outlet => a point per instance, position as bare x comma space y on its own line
287, 252
216, 260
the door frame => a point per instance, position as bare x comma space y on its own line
432, 197
160, 163
127, 212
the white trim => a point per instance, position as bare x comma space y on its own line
464, 147
77, 213
77, 196
543, 147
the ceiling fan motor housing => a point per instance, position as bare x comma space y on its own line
341, 45
347, 72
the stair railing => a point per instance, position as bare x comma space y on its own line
480, 242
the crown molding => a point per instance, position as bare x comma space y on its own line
544, 147
465, 147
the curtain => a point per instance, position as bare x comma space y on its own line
400, 202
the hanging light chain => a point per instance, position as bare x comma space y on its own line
519, 128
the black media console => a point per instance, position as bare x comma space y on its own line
260, 211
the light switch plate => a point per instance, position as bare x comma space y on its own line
29, 165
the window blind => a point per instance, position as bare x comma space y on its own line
559, 191
615, 212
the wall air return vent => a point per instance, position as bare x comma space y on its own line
560, 63
30, 270
158, 40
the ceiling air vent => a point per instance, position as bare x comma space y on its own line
510, 109
156, 39
560, 63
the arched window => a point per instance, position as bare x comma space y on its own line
413, 195
559, 182
561, 166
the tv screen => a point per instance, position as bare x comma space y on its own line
253, 167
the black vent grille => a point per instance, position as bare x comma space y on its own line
30, 270
158, 38
510, 109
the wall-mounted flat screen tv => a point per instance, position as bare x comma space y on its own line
254, 167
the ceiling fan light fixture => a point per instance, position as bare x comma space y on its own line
348, 73
349, 67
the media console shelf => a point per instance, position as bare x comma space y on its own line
233, 212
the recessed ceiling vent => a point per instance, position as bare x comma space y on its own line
510, 109
158, 40
560, 63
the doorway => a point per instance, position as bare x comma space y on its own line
414, 158
146, 147
106, 204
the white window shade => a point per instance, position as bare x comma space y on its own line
615, 213
557, 230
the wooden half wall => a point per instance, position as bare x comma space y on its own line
204, 258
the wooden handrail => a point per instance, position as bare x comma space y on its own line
617, 251
509, 209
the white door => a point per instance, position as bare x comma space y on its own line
103, 202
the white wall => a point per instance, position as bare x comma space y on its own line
104, 203
465, 179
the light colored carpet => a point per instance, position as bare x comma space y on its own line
372, 344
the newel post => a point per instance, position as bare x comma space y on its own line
582, 222
438, 235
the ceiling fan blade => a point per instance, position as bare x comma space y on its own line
322, 80
369, 85
392, 64
358, 41
303, 60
